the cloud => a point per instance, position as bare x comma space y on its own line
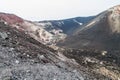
55, 9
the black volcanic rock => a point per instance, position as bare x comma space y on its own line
102, 33
24, 58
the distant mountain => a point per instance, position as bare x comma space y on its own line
102, 33
67, 25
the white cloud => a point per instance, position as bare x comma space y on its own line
55, 9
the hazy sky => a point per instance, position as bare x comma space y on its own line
55, 9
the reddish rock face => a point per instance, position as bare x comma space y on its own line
10, 18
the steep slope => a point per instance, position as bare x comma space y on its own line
101, 33
66, 26
23, 58
35, 31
